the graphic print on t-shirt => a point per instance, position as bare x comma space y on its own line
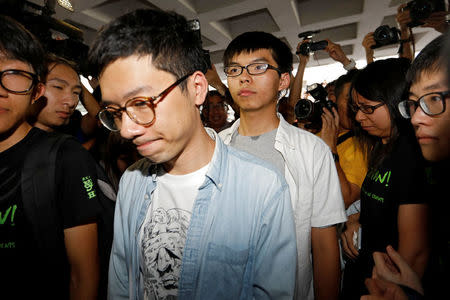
379, 179
163, 244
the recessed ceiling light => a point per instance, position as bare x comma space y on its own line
66, 4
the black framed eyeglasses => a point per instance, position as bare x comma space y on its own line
252, 69
432, 104
18, 81
366, 109
140, 110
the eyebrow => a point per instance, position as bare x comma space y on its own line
63, 82
130, 94
259, 59
429, 88
136, 91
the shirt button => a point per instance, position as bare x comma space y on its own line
146, 196
219, 185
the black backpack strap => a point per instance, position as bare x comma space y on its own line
344, 137
39, 191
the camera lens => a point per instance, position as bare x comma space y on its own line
303, 109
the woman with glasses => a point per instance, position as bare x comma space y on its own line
393, 211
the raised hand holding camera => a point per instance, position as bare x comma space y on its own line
311, 112
310, 47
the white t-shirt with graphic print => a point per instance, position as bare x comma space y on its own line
163, 233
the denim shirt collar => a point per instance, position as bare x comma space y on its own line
217, 162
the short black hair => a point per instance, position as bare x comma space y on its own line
165, 36
256, 40
431, 59
16, 42
342, 80
52, 60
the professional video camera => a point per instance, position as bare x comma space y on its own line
310, 112
58, 37
307, 48
194, 25
385, 35
422, 9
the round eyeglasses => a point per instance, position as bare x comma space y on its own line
18, 81
252, 69
140, 110
366, 109
432, 104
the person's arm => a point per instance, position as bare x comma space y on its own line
329, 134
403, 18
82, 253
336, 53
276, 247
89, 121
118, 284
367, 43
296, 84
413, 235
326, 264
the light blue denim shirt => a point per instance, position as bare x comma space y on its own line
241, 240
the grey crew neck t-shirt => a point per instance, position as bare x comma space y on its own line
262, 146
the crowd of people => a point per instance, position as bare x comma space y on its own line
158, 192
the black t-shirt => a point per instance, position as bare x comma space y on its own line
24, 272
398, 180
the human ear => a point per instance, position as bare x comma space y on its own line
38, 92
200, 87
285, 80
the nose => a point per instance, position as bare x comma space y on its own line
129, 129
71, 99
3, 91
360, 116
245, 76
418, 117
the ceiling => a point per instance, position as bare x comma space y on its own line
345, 21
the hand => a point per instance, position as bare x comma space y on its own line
391, 266
303, 58
403, 17
304, 125
368, 42
330, 128
336, 53
347, 237
437, 20
383, 290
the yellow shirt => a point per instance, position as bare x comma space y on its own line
352, 160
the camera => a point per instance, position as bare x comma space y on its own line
385, 35
307, 48
311, 112
56, 36
194, 26
422, 9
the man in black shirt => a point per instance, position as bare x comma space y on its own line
30, 269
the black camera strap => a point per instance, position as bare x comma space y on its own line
344, 137
410, 39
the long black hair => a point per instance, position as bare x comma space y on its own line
381, 81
